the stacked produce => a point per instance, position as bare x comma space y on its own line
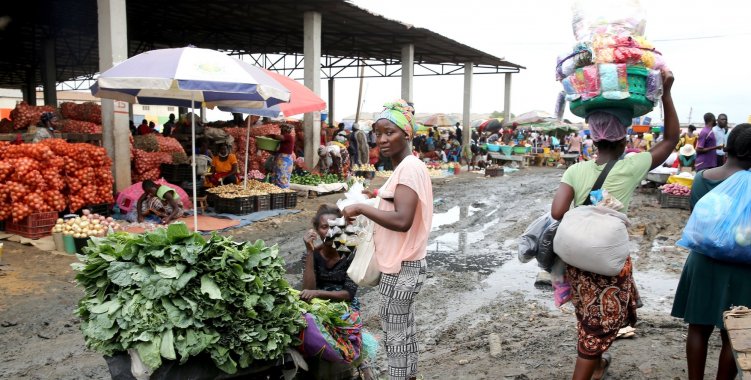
150, 151
676, 189
612, 63
172, 294
314, 179
363, 168
90, 112
234, 191
88, 225
147, 164
76, 126
167, 144
25, 115
50, 175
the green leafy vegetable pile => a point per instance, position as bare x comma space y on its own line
173, 294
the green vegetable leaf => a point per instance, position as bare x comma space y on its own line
177, 232
167, 348
208, 286
149, 353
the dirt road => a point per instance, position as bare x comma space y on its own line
476, 287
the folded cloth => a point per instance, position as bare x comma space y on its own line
613, 81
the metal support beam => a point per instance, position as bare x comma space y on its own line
113, 48
312, 64
466, 112
50, 73
30, 90
331, 102
408, 71
507, 98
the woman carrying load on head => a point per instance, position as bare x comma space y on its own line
403, 219
604, 304
283, 162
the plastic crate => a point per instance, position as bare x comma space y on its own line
236, 206
177, 174
277, 200
675, 201
263, 202
290, 199
211, 199
34, 226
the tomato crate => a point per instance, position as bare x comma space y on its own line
263, 202
34, 226
675, 201
237, 206
278, 200
290, 199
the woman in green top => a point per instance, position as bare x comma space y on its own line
159, 200
708, 287
604, 304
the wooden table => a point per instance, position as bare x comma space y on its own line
500, 158
738, 324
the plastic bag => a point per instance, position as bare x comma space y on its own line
561, 286
529, 241
614, 81
545, 254
591, 17
654, 85
354, 195
720, 224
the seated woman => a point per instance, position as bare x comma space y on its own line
325, 273
158, 202
224, 165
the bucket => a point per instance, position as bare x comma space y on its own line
59, 242
70, 245
79, 243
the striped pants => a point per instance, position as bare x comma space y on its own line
397, 313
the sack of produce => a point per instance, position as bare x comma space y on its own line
594, 239
720, 224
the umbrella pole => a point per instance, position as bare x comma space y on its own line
193, 161
247, 146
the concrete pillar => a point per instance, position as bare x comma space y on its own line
113, 48
408, 71
466, 112
30, 90
507, 98
331, 101
312, 63
50, 73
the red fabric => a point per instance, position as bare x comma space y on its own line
288, 144
143, 129
302, 99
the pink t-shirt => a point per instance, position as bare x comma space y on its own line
393, 247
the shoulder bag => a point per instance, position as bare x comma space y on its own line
593, 238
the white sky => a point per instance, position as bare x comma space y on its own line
705, 43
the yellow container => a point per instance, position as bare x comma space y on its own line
681, 180
546, 151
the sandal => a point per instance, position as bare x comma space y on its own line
608, 359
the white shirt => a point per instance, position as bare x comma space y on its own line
721, 136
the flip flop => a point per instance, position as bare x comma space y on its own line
608, 359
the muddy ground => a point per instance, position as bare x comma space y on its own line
476, 287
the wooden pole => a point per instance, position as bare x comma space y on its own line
359, 93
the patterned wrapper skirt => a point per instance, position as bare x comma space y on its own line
603, 305
283, 165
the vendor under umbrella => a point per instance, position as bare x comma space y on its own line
158, 202
224, 165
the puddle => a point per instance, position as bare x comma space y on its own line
452, 216
656, 290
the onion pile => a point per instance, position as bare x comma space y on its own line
86, 226
147, 164
90, 112
50, 176
146, 143
168, 144
265, 129
76, 126
25, 115
676, 189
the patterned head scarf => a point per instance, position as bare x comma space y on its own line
399, 113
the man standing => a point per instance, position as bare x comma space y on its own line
459, 133
143, 128
575, 144
167, 128
706, 147
721, 134
363, 150
352, 149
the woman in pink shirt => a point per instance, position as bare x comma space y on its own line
403, 219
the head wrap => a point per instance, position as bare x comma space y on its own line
606, 126
399, 113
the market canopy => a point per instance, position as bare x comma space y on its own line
439, 120
70, 28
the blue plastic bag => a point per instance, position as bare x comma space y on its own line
720, 224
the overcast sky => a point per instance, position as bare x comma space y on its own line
703, 42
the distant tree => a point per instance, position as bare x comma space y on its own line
497, 114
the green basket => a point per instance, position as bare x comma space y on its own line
637, 102
265, 143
